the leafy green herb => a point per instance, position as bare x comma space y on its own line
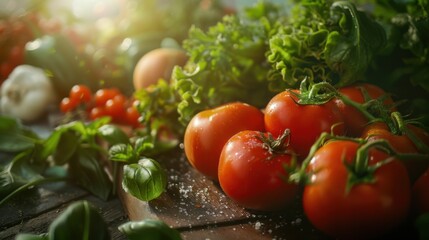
82, 221
74, 146
326, 41
149, 230
145, 180
90, 225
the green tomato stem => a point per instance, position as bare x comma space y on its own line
404, 130
360, 107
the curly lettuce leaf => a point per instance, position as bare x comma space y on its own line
325, 42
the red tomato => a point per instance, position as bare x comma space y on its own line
368, 209
209, 130
16, 55
133, 116
68, 105
5, 69
97, 112
251, 175
306, 122
81, 93
401, 143
102, 95
421, 193
115, 108
354, 120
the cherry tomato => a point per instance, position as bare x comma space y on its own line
209, 130
133, 116
401, 143
81, 93
103, 95
68, 105
5, 69
306, 122
97, 112
115, 108
354, 120
421, 193
367, 209
16, 55
251, 175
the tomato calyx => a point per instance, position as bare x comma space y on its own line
311, 93
277, 145
359, 170
299, 174
374, 109
399, 127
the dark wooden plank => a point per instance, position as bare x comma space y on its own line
36, 201
112, 212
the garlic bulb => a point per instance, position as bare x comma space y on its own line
27, 93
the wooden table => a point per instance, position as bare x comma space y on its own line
192, 204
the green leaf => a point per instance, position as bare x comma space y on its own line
122, 153
79, 221
65, 147
18, 173
145, 180
14, 137
149, 230
350, 51
89, 173
113, 134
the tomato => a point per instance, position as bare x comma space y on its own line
251, 175
132, 116
16, 55
115, 108
68, 105
421, 193
5, 69
367, 209
81, 93
97, 112
306, 122
209, 130
354, 120
401, 143
103, 95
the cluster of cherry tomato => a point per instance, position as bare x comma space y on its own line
262, 158
104, 102
14, 34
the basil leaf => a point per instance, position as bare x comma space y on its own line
112, 134
145, 180
13, 136
79, 221
149, 230
66, 147
18, 172
89, 173
122, 153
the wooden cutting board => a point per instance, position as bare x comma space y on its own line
198, 208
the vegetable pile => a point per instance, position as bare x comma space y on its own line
321, 99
